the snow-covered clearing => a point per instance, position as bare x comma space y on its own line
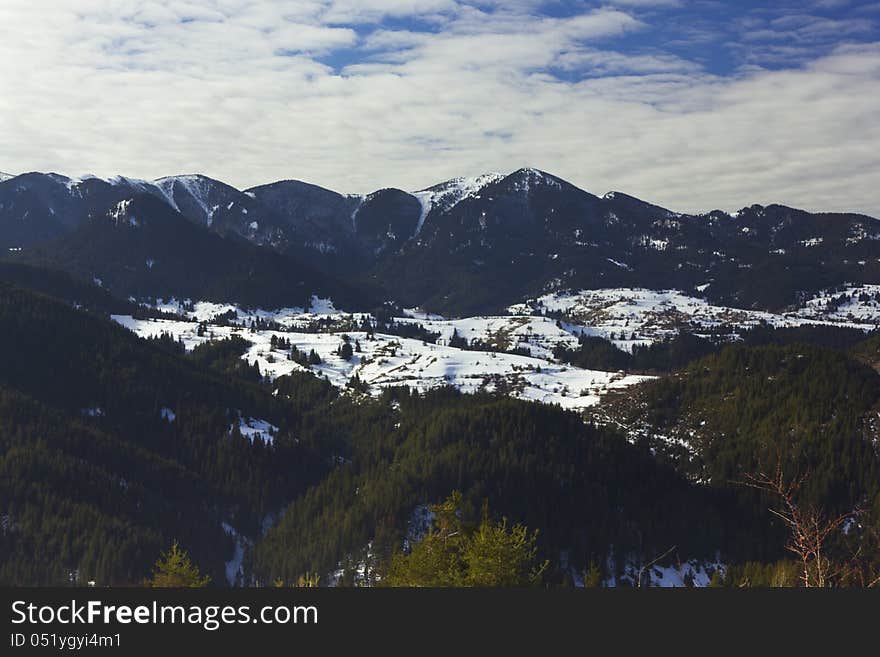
386, 361
853, 303
537, 334
252, 428
630, 317
383, 361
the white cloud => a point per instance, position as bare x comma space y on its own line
356, 11
241, 90
297, 37
594, 62
646, 3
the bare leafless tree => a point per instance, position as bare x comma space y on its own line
809, 526
861, 567
648, 565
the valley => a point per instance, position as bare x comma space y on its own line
306, 370
509, 354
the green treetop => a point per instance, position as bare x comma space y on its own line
175, 570
451, 554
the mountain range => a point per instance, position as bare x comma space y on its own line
181, 363
464, 246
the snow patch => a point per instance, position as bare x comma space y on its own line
360, 202
234, 568
251, 428
419, 313
319, 306
426, 200
120, 215
321, 247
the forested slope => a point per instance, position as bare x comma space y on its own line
112, 448
585, 488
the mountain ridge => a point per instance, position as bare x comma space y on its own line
142, 247
485, 176
474, 245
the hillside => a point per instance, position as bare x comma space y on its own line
88, 441
583, 486
112, 447
59, 284
809, 410
143, 248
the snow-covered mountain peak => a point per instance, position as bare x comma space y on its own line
531, 172
452, 192
197, 186
87, 176
527, 178
73, 183
189, 180
130, 182
194, 194
134, 185
6, 176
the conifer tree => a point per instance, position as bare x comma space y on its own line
345, 351
593, 576
458, 341
452, 554
175, 570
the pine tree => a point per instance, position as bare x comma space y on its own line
175, 570
497, 555
436, 560
345, 351
593, 576
452, 554
457, 341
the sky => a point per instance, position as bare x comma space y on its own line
690, 104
